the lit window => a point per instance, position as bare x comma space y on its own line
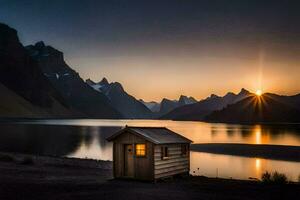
140, 150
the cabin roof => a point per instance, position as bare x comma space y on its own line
156, 135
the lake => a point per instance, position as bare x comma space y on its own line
83, 138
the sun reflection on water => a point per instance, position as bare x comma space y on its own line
257, 132
258, 167
257, 164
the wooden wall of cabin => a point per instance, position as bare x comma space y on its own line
143, 166
175, 163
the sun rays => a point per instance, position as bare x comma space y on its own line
258, 92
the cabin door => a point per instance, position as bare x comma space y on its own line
128, 160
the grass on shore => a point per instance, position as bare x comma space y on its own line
274, 178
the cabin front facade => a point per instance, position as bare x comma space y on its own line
149, 153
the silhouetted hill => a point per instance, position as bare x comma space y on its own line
19, 72
256, 109
293, 101
166, 105
126, 104
197, 111
25, 92
151, 105
15, 106
76, 93
184, 100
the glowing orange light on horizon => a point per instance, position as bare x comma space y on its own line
258, 92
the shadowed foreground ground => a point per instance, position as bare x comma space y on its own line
56, 178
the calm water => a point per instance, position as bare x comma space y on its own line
86, 139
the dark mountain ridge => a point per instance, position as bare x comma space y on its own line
77, 94
22, 74
184, 100
268, 108
167, 105
25, 92
197, 111
121, 100
151, 105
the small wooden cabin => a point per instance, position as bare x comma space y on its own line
149, 153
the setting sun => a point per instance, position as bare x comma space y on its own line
258, 92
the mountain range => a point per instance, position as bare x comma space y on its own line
151, 105
36, 82
198, 111
132, 108
167, 105
75, 92
121, 100
25, 91
39, 83
256, 109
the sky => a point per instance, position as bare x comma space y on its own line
158, 49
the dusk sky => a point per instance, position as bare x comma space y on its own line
166, 48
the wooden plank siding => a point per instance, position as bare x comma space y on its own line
175, 163
143, 166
